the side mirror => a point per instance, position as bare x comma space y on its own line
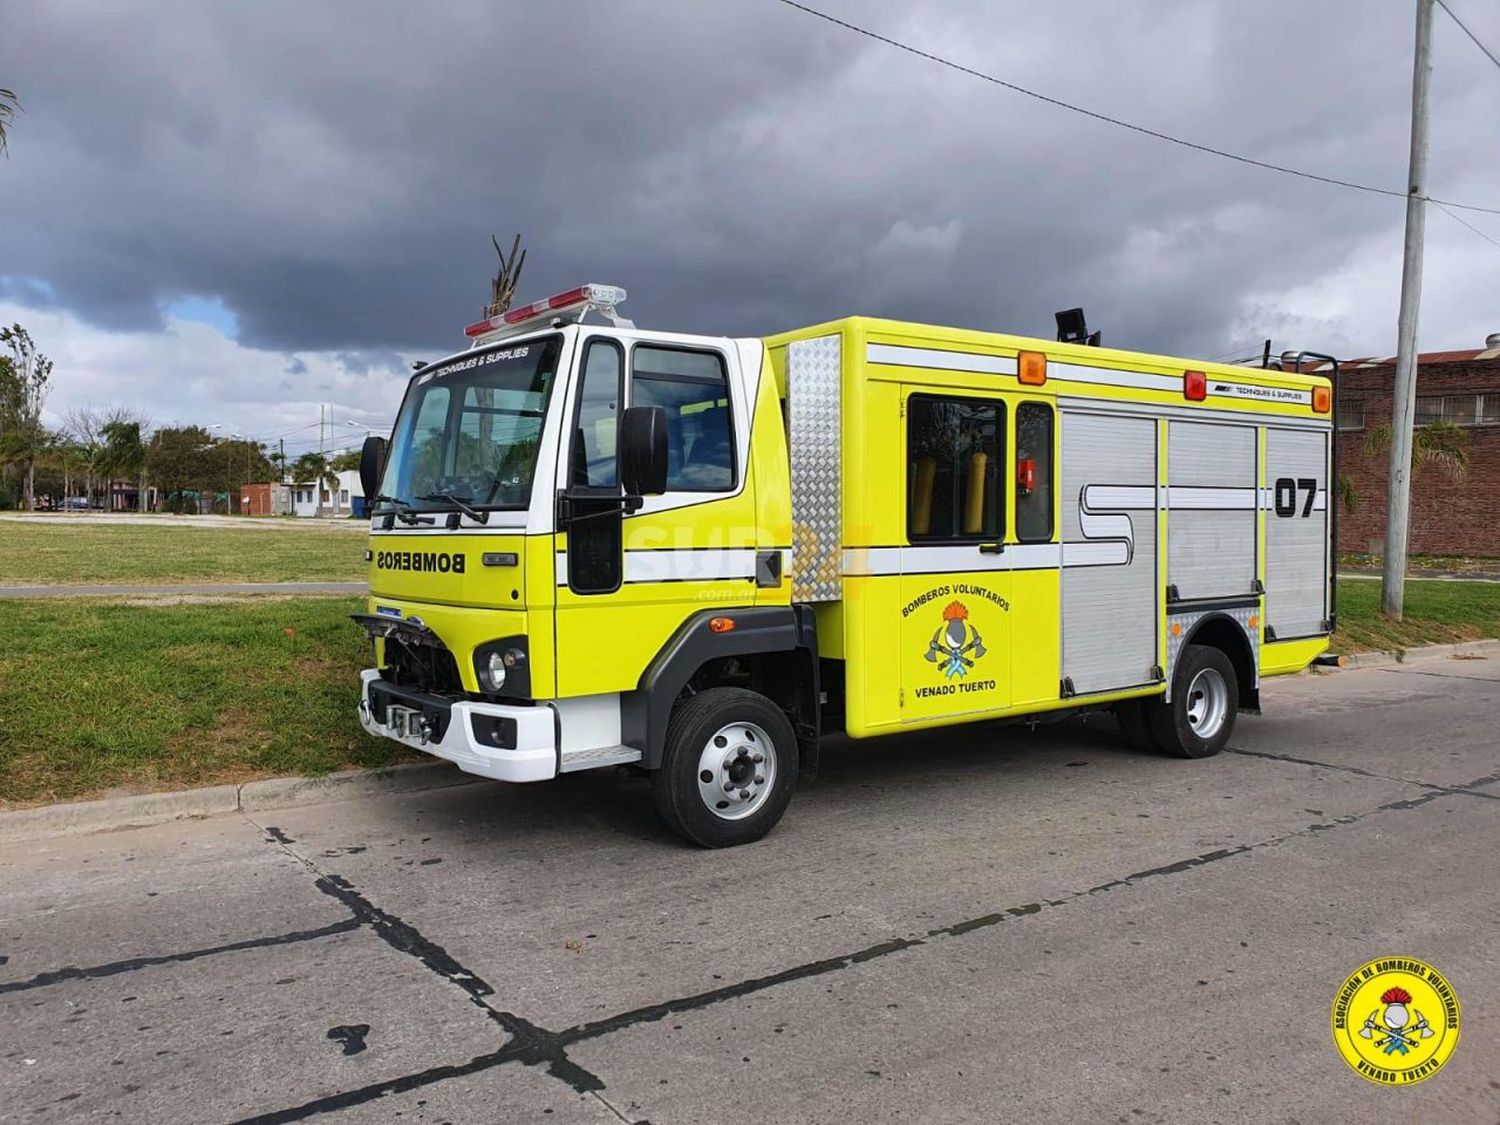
371, 465
643, 450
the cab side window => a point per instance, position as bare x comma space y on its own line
592, 463
693, 389
953, 455
1034, 482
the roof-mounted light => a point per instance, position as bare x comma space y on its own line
569, 305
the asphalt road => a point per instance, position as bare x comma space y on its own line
980, 925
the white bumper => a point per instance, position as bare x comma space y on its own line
534, 757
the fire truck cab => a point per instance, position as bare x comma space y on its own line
593, 545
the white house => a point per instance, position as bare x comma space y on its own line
309, 496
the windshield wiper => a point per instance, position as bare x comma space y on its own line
404, 511
459, 502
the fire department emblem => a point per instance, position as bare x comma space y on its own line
1395, 1021
956, 644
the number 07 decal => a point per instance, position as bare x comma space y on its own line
1286, 495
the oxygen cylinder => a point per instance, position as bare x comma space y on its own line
974, 507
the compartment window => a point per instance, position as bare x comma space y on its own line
1034, 472
954, 448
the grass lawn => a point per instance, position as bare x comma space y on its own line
1435, 612
100, 695
38, 553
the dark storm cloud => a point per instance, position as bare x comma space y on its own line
333, 173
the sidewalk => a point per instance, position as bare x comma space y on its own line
110, 591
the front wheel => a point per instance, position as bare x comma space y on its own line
1205, 700
729, 768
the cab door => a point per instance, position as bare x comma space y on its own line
627, 581
955, 644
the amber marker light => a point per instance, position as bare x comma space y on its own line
1032, 367
721, 625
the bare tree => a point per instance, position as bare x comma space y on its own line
85, 426
503, 284
23, 390
10, 105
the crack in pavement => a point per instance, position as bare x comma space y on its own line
1440, 675
532, 1045
114, 968
1468, 789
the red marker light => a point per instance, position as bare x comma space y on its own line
1194, 386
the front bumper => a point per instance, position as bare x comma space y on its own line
534, 756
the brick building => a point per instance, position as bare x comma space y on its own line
1448, 516
265, 500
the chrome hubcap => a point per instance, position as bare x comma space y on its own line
1207, 703
736, 770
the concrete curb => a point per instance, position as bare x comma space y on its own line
1463, 650
143, 809
286, 792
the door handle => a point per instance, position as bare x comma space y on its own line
992, 548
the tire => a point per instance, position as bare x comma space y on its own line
1135, 728
719, 732
1205, 700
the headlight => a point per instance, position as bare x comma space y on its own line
495, 671
502, 667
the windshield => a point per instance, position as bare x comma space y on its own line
470, 428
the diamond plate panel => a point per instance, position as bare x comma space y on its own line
814, 379
1175, 639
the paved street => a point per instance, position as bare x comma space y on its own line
990, 924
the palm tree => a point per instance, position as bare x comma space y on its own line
1438, 445
314, 467
124, 456
10, 105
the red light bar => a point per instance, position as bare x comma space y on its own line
581, 297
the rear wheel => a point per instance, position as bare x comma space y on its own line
729, 768
1205, 700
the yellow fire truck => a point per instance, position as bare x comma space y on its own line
593, 545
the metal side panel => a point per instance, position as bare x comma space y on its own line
1109, 595
814, 376
1296, 532
1211, 502
1180, 627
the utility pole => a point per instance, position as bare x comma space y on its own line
1404, 394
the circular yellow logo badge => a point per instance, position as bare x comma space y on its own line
1395, 1021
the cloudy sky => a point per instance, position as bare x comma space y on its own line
230, 213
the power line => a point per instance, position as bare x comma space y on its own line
1465, 222
1134, 128
1465, 29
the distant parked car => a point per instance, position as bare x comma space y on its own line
76, 504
